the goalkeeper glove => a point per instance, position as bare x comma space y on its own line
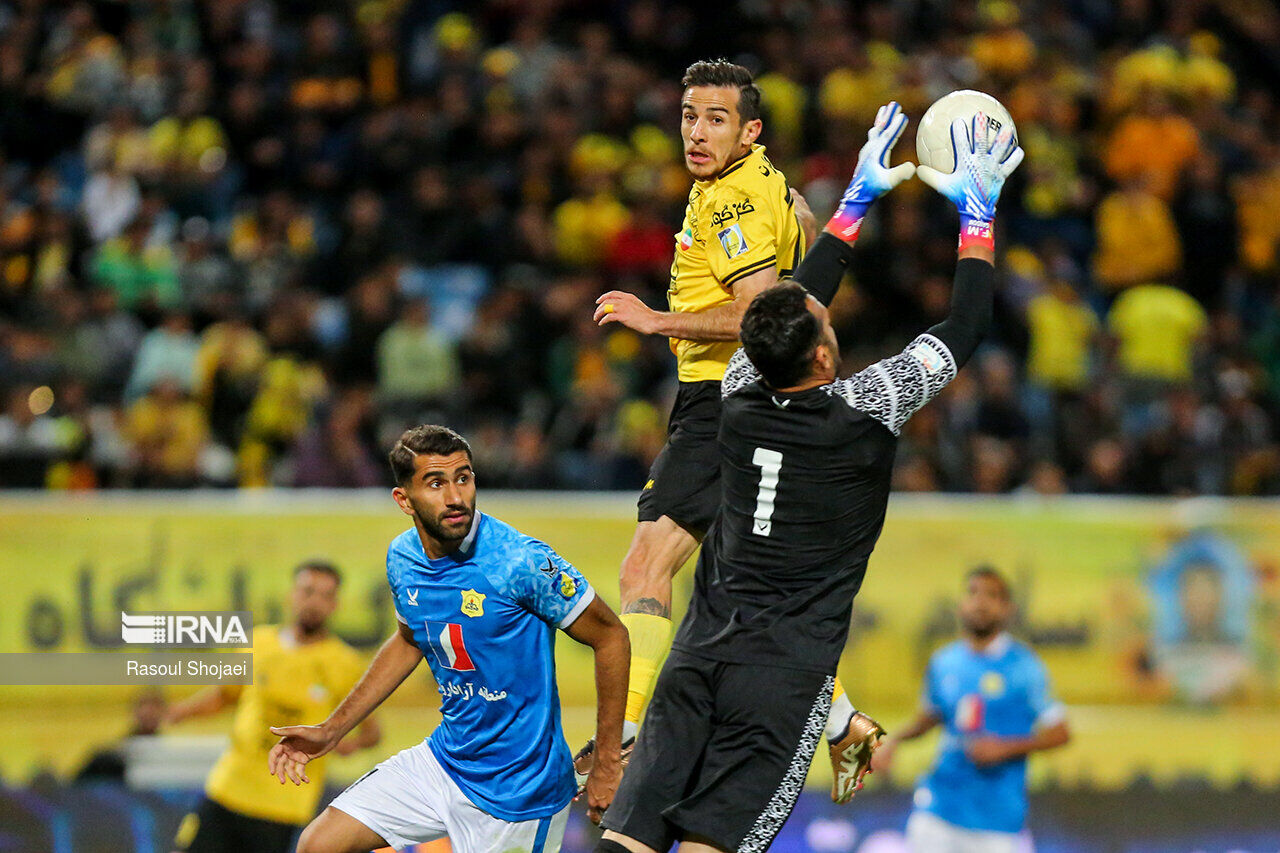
974, 187
873, 177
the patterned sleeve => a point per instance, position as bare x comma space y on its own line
739, 374
548, 586
894, 389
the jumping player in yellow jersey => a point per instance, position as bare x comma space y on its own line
743, 230
300, 672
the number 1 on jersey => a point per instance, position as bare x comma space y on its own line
770, 462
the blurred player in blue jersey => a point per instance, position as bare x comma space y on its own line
991, 693
481, 602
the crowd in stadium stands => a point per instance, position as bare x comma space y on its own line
245, 242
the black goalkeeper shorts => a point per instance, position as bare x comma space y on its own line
684, 482
722, 755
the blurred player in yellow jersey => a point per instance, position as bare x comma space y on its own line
743, 230
300, 672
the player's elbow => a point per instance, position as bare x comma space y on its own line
1056, 735
612, 640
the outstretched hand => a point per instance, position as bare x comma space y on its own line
975, 184
619, 306
872, 178
602, 785
297, 746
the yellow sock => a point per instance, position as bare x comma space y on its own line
841, 710
650, 640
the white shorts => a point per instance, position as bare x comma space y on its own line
410, 799
928, 833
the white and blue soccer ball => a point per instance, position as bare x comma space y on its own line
933, 136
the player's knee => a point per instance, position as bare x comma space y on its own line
315, 839
311, 841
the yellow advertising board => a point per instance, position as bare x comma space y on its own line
1153, 604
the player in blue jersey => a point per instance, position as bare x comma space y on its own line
481, 602
991, 694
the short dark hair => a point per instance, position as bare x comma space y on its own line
426, 438
780, 334
991, 573
722, 72
319, 566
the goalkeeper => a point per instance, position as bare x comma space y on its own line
806, 460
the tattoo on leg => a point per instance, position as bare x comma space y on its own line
651, 606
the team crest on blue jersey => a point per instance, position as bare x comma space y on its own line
568, 586
732, 241
992, 684
449, 646
472, 603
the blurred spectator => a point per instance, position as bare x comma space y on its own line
1062, 330
1258, 197
167, 353
236, 198
290, 384
1207, 222
333, 453
1137, 237
104, 343
1106, 469
1154, 144
167, 431
111, 201
417, 364
1157, 328
228, 366
206, 278
140, 275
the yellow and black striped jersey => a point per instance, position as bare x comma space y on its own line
741, 222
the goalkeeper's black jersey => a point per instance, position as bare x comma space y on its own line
806, 481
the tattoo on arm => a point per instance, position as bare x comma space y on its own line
651, 606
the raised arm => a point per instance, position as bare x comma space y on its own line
824, 264
398, 657
894, 389
974, 188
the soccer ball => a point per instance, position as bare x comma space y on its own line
933, 136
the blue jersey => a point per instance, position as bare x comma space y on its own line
485, 619
1003, 691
